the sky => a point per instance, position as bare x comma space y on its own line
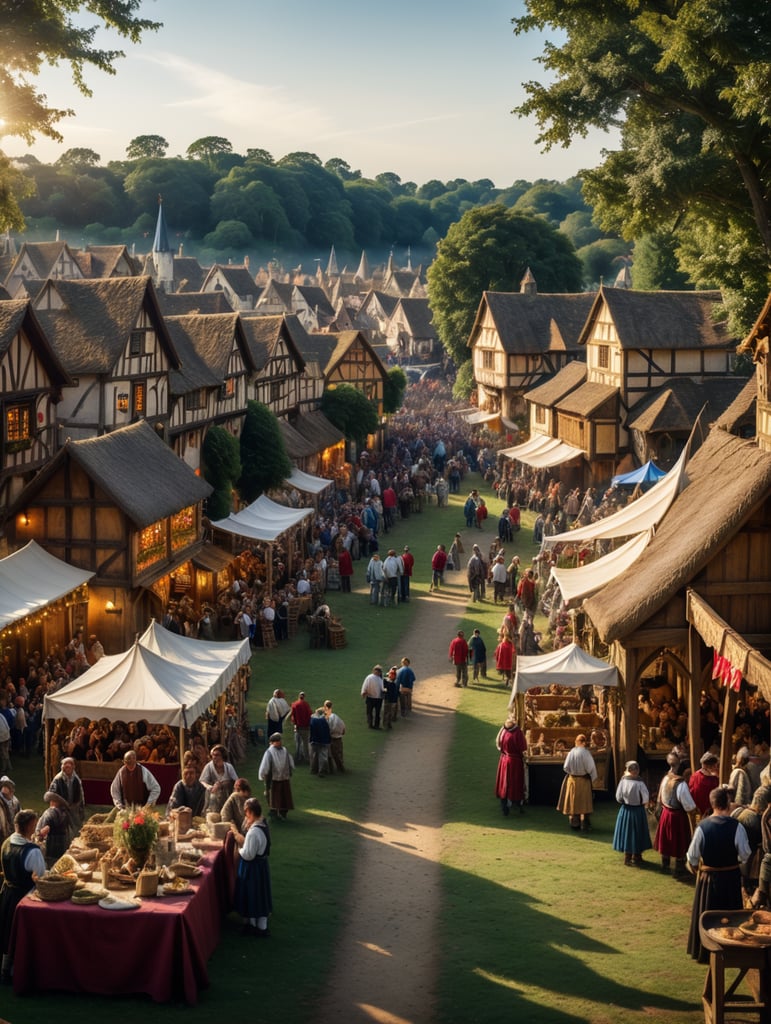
421, 88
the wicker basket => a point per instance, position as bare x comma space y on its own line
55, 890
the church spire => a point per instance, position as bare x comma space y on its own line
163, 257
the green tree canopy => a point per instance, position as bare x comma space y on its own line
264, 461
687, 84
351, 411
222, 469
464, 382
145, 146
78, 157
208, 149
489, 249
393, 389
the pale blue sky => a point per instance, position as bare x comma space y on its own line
419, 87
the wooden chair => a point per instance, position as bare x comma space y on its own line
335, 636
268, 635
294, 618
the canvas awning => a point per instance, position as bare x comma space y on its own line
30, 579
718, 634
172, 688
264, 520
307, 483
643, 514
585, 580
567, 666
542, 451
475, 416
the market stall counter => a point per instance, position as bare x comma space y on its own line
160, 949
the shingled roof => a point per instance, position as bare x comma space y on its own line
662, 320
703, 517
586, 398
17, 315
183, 303
675, 405
417, 317
197, 341
558, 386
263, 332
92, 329
533, 324
135, 468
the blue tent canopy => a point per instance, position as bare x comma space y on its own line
647, 474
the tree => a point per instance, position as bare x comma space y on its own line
264, 461
351, 411
208, 149
221, 468
393, 389
146, 146
464, 382
229, 234
489, 249
655, 265
688, 84
259, 156
342, 169
78, 157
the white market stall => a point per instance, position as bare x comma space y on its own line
165, 679
552, 721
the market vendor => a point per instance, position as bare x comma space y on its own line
22, 862
134, 784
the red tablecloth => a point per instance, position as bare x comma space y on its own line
97, 791
161, 949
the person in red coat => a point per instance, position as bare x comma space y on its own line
345, 567
438, 562
510, 778
459, 658
408, 562
504, 657
703, 781
481, 513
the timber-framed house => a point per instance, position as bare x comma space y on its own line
278, 363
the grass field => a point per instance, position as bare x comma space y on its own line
538, 924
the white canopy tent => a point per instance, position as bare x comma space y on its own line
542, 451
307, 483
202, 654
567, 666
30, 579
580, 582
263, 520
643, 514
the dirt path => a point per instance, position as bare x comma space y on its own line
386, 963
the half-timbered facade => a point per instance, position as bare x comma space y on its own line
312, 307
520, 337
410, 333
212, 385
374, 314
275, 299
31, 382
278, 364
37, 262
348, 358
112, 340
124, 507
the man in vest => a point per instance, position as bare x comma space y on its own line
134, 784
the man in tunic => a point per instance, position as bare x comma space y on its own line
336, 733
703, 781
718, 848
276, 770
134, 784
575, 799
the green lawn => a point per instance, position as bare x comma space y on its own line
539, 925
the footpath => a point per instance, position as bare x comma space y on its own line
386, 964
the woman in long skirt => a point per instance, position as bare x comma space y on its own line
510, 778
673, 834
253, 897
631, 836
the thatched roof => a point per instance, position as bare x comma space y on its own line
586, 398
315, 427
662, 320
297, 446
184, 303
741, 415
198, 345
343, 341
727, 479
17, 315
674, 406
559, 385
43, 256
93, 328
262, 334
135, 468
533, 324
105, 260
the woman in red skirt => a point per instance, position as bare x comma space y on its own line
673, 835
510, 779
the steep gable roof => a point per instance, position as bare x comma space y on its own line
43, 256
316, 299
662, 320
91, 330
17, 315
534, 324
742, 412
183, 303
701, 520
105, 260
238, 279
263, 332
139, 472
417, 317
586, 398
204, 344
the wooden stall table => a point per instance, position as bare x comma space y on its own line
161, 949
750, 961
97, 778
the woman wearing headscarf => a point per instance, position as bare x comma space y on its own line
510, 777
631, 835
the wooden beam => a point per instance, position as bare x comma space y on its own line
694, 693
740, 587
664, 637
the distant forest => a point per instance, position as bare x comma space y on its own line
222, 206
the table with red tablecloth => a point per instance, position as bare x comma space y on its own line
161, 949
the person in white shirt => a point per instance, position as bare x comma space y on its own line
303, 586
391, 571
134, 784
336, 733
372, 692
575, 799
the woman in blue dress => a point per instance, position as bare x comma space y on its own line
631, 836
253, 898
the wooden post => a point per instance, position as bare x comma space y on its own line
694, 694
729, 720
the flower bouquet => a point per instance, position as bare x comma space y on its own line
136, 829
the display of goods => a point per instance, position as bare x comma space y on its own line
65, 865
55, 888
87, 897
99, 836
147, 883
186, 870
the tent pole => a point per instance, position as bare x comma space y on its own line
47, 751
